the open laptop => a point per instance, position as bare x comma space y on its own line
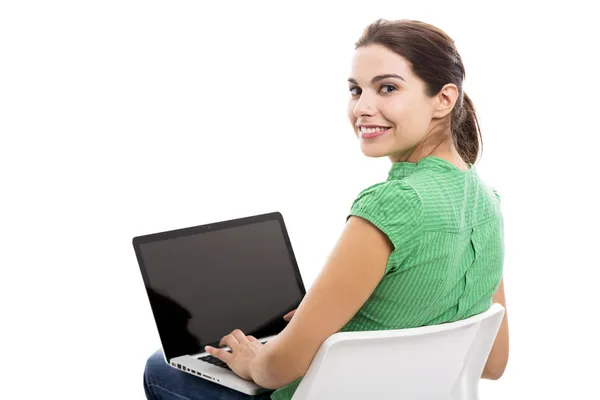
205, 281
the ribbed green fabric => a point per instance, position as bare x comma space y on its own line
446, 226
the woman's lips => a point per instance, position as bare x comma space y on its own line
374, 134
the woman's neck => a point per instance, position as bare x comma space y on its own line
444, 149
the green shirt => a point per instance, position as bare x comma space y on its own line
447, 230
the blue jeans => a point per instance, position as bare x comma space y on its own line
164, 382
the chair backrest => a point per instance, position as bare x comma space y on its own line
439, 362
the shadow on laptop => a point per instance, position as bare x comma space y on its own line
176, 317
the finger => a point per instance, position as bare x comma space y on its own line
221, 354
289, 315
239, 336
230, 341
253, 339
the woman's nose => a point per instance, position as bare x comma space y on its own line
364, 107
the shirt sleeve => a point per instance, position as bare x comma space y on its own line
392, 206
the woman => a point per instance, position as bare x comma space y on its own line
423, 247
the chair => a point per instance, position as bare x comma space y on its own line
436, 362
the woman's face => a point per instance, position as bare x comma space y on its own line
388, 108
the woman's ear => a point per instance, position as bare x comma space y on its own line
445, 100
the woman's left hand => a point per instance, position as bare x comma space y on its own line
243, 351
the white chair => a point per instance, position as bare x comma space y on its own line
436, 362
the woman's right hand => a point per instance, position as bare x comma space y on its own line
289, 315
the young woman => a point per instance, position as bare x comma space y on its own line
423, 247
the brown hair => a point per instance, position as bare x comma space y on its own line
434, 58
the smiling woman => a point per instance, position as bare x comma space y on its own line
423, 247
422, 101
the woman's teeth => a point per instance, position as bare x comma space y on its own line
372, 130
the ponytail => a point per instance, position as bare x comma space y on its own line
466, 132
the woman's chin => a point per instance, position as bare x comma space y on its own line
373, 151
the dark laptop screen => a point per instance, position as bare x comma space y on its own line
204, 285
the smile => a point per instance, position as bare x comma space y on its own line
370, 133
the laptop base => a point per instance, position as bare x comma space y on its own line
225, 377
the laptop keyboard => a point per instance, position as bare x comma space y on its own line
215, 361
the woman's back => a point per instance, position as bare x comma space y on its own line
449, 259
447, 231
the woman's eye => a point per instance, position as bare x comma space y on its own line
354, 91
390, 88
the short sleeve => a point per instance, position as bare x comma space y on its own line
394, 207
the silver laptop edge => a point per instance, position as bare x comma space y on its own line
194, 366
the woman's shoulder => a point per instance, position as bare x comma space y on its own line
388, 194
392, 206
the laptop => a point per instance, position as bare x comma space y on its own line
205, 281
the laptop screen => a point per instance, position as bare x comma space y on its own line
205, 282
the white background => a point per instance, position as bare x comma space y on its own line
121, 118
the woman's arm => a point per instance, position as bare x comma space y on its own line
498, 358
350, 275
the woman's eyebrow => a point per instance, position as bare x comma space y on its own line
378, 78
